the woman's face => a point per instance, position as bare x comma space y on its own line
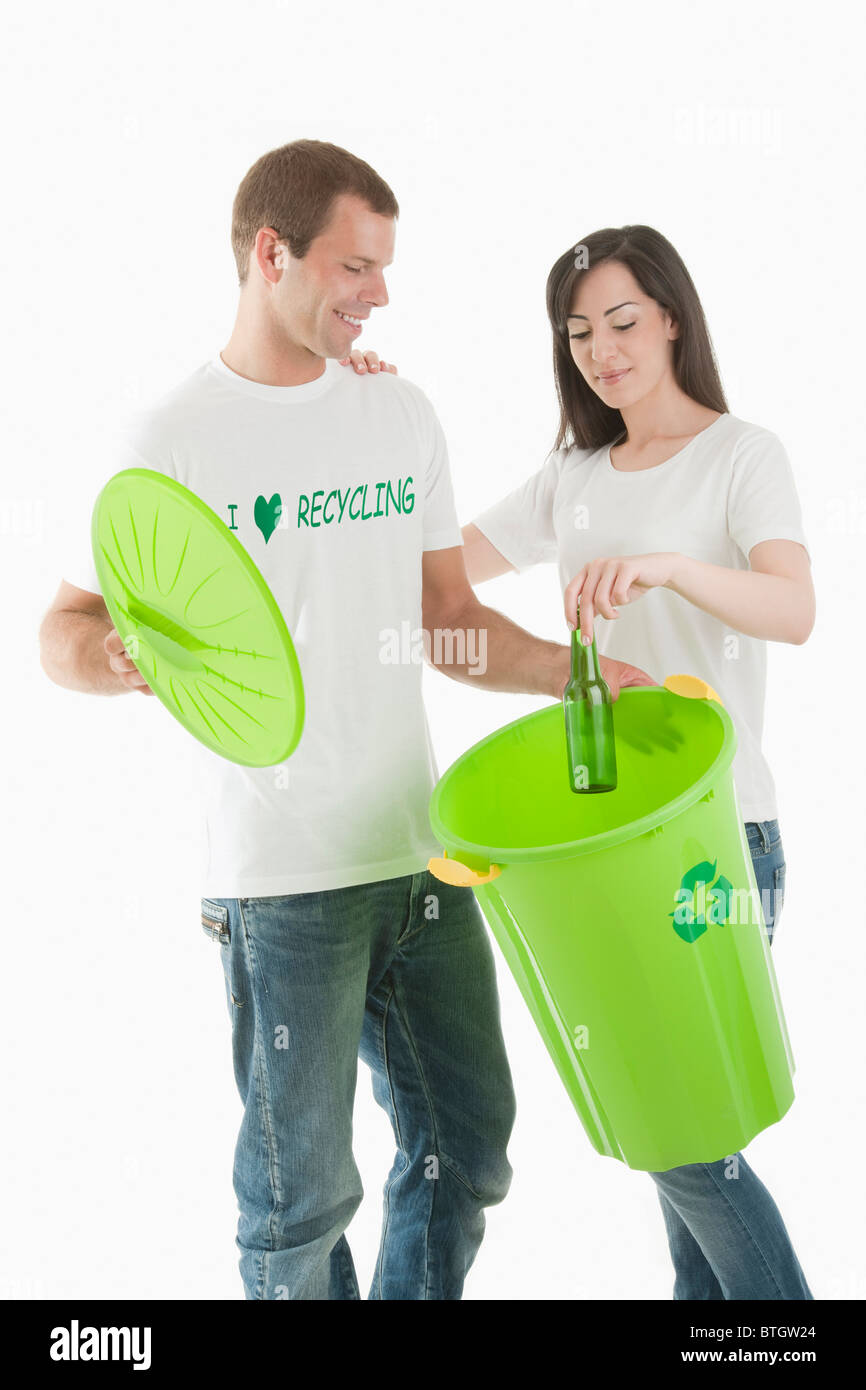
620, 339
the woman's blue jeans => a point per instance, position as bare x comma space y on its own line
400, 972
727, 1238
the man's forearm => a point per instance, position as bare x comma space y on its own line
484, 648
73, 655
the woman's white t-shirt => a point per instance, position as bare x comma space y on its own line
730, 487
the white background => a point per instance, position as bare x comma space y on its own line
507, 134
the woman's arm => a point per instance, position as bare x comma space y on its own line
482, 559
773, 600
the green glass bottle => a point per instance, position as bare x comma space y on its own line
588, 707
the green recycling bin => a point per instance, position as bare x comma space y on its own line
631, 922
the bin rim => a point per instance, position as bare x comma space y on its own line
591, 844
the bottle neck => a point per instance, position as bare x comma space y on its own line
584, 660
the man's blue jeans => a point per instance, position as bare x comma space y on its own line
727, 1238
401, 973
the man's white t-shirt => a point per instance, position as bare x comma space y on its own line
354, 472
730, 487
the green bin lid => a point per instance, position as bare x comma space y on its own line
204, 628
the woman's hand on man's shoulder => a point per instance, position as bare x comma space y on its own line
370, 361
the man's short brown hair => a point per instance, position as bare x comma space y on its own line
292, 188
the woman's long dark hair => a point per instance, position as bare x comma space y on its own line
584, 419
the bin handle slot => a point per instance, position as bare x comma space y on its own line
460, 875
692, 687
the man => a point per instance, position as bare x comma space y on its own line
335, 940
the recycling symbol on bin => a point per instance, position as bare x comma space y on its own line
700, 901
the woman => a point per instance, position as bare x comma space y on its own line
655, 492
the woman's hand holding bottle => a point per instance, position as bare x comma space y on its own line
606, 583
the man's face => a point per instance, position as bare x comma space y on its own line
340, 278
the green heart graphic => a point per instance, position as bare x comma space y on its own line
267, 514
